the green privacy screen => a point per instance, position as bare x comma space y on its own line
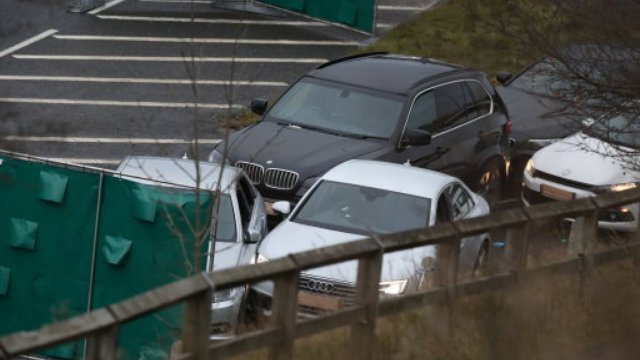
47, 230
144, 242
47, 220
358, 14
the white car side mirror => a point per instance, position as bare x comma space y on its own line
283, 207
588, 122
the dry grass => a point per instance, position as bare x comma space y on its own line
544, 318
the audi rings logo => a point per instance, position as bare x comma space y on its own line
317, 286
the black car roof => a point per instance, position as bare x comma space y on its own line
391, 73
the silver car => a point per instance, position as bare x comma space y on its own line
356, 199
241, 221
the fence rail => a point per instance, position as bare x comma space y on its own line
100, 326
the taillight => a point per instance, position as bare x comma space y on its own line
506, 128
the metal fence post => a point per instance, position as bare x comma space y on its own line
363, 332
197, 324
102, 345
285, 311
518, 240
582, 242
446, 274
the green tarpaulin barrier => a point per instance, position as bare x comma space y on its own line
48, 228
358, 14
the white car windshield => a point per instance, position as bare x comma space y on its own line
339, 109
362, 210
621, 129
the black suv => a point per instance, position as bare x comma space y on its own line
376, 106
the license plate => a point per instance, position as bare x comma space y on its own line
555, 193
319, 301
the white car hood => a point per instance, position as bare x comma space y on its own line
290, 237
584, 159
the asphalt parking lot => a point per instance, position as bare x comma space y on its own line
145, 77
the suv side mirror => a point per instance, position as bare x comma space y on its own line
281, 207
259, 106
503, 76
416, 137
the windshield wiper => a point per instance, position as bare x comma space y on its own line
358, 136
329, 131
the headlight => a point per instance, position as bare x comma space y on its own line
623, 187
259, 259
543, 142
530, 169
396, 287
614, 188
224, 295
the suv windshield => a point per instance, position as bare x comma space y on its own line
363, 210
338, 108
620, 130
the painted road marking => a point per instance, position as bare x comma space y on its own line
206, 40
210, 21
28, 42
142, 80
85, 161
93, 140
118, 103
105, 6
180, 1
402, 8
168, 58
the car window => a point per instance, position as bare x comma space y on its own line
423, 112
477, 100
248, 189
245, 204
450, 109
460, 200
362, 210
226, 220
443, 213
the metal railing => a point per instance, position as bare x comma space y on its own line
100, 327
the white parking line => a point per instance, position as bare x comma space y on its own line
141, 80
179, 1
94, 140
117, 103
402, 8
210, 21
28, 42
168, 59
105, 6
87, 161
207, 40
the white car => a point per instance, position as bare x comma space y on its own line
241, 221
359, 198
602, 158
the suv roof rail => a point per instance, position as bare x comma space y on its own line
355, 56
441, 62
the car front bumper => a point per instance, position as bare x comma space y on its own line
616, 219
225, 315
